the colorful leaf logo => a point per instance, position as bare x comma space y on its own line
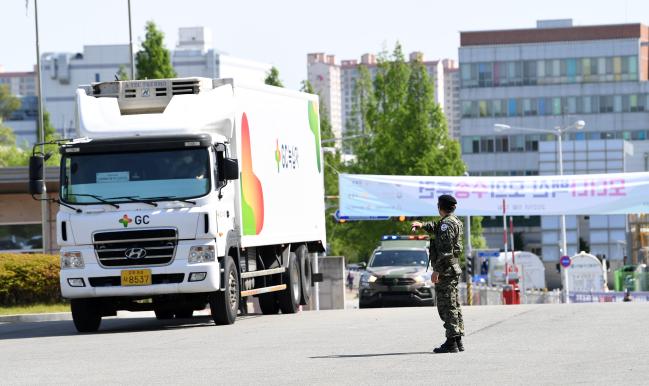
125, 220
314, 124
278, 155
252, 195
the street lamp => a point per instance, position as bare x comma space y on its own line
558, 132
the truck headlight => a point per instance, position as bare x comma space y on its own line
201, 254
71, 260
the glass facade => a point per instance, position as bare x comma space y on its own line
549, 71
517, 143
526, 107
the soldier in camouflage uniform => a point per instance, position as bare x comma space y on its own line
445, 250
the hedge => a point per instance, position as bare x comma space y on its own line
29, 278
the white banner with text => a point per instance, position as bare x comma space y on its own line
376, 195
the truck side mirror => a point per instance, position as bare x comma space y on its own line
36, 183
230, 169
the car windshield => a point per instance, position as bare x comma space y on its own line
399, 258
124, 177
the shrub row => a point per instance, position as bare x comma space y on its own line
29, 278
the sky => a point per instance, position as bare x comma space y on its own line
282, 32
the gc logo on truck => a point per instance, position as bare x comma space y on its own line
138, 220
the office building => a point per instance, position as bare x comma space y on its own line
547, 77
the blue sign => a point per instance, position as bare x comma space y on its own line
338, 217
565, 261
487, 254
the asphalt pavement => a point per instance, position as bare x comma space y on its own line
527, 344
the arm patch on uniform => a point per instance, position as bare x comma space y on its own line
444, 227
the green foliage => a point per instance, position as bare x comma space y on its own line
10, 154
405, 133
477, 239
272, 77
8, 102
51, 135
27, 279
122, 74
307, 87
153, 61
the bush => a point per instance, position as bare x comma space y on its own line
29, 278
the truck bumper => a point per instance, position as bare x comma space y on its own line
99, 281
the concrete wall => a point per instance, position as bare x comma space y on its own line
332, 288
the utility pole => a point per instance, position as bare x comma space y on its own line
468, 259
45, 210
130, 41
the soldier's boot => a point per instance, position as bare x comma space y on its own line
458, 342
450, 346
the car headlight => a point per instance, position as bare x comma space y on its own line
419, 279
71, 260
368, 279
201, 254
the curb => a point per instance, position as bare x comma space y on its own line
30, 318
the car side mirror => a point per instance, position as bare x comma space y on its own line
230, 169
362, 265
36, 183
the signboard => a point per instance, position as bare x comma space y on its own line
585, 274
379, 195
565, 261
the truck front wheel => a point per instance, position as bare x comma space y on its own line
289, 299
86, 314
225, 304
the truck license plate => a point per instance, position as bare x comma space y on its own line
136, 277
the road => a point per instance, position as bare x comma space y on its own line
532, 344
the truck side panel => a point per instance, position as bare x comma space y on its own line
281, 189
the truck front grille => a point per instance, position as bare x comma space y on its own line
135, 247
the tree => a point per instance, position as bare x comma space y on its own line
153, 60
121, 73
10, 154
8, 102
406, 135
272, 77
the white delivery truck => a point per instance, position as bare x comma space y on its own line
181, 193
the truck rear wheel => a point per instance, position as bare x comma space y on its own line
225, 304
289, 299
268, 303
306, 268
86, 314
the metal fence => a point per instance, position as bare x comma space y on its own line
484, 295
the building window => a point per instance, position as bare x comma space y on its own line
502, 144
21, 237
97, 77
486, 145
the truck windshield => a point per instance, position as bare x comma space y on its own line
390, 258
127, 177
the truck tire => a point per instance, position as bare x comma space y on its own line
268, 303
306, 268
86, 314
289, 299
225, 304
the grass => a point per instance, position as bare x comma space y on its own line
35, 309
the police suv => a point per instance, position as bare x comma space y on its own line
397, 274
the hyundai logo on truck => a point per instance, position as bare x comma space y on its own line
135, 253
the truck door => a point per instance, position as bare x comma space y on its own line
225, 199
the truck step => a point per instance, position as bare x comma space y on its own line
263, 272
263, 290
